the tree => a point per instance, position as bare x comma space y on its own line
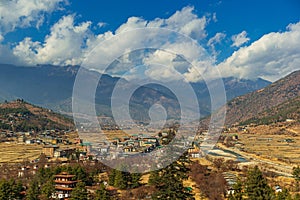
256, 186
4, 189
238, 191
135, 180
10, 189
296, 176
284, 195
102, 193
154, 178
121, 179
33, 190
47, 189
16, 189
170, 182
79, 192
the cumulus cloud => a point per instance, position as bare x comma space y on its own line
272, 56
63, 46
239, 39
25, 13
71, 43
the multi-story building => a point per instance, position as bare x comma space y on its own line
64, 184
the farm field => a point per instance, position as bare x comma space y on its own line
274, 143
13, 152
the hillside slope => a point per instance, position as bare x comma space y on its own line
252, 105
288, 110
22, 116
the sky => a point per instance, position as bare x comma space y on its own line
244, 39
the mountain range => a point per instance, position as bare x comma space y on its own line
51, 87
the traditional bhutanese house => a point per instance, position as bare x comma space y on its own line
64, 184
49, 150
128, 149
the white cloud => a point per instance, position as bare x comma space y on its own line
214, 17
63, 46
25, 13
239, 39
272, 56
70, 43
217, 39
101, 24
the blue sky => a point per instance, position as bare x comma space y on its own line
235, 33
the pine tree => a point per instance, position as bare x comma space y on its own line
102, 193
170, 182
256, 186
154, 178
284, 195
238, 191
47, 189
111, 177
4, 189
121, 179
135, 180
296, 176
33, 191
79, 192
10, 189
16, 189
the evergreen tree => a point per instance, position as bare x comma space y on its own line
10, 189
238, 191
256, 186
47, 189
135, 180
33, 191
284, 195
121, 179
79, 192
296, 176
102, 193
4, 190
153, 178
170, 182
16, 189
111, 177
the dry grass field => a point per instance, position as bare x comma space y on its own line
274, 143
13, 152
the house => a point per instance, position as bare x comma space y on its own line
29, 141
64, 184
49, 150
278, 188
59, 153
21, 139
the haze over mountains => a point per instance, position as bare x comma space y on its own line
51, 87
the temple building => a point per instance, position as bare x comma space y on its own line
64, 184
